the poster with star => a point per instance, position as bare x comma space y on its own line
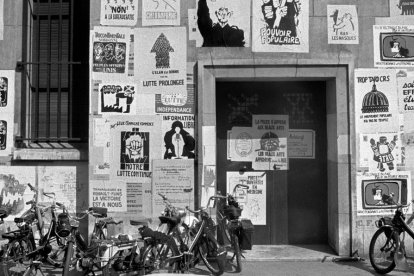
161, 60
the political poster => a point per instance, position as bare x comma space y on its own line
405, 82
117, 98
161, 13
161, 60
402, 9
252, 200
175, 103
209, 184
380, 152
6, 111
6, 133
301, 144
179, 141
376, 103
393, 45
175, 180
222, 23
135, 142
110, 52
108, 194
280, 26
119, 13
14, 189
342, 24
241, 144
139, 197
378, 193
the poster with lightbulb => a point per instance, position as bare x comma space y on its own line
178, 135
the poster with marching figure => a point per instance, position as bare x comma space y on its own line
222, 23
110, 52
166, 12
280, 26
405, 82
117, 98
178, 133
161, 60
380, 152
376, 103
135, 142
402, 9
119, 12
342, 24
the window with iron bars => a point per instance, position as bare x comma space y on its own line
55, 73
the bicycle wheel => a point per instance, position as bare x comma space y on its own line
15, 261
224, 230
156, 258
213, 257
56, 256
382, 249
237, 253
67, 267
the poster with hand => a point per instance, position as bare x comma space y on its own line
117, 98
342, 24
160, 13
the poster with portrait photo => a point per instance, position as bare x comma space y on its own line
376, 100
110, 52
160, 13
7, 92
280, 26
117, 98
161, 59
342, 24
119, 13
223, 23
135, 142
6, 133
393, 45
179, 141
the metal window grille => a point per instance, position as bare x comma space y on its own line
55, 71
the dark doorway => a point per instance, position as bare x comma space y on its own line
296, 210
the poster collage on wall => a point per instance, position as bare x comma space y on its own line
384, 114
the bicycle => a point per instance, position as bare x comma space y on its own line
387, 245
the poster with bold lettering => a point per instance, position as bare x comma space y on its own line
252, 200
174, 180
108, 194
270, 149
139, 197
342, 24
241, 144
376, 103
379, 193
14, 189
119, 13
393, 45
223, 23
135, 143
380, 152
161, 60
110, 52
161, 13
402, 9
405, 81
179, 142
280, 26
117, 98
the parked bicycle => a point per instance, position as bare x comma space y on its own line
387, 244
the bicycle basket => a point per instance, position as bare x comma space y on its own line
232, 212
63, 225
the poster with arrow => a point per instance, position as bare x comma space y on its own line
161, 60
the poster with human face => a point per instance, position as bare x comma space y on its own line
402, 9
376, 104
280, 26
119, 12
6, 111
161, 13
108, 194
161, 60
110, 52
117, 98
393, 45
241, 144
405, 82
14, 189
342, 24
380, 152
252, 200
379, 193
178, 130
135, 142
223, 23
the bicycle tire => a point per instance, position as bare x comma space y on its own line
382, 249
224, 231
209, 253
68, 259
237, 253
57, 255
155, 256
14, 260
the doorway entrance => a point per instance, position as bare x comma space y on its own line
296, 197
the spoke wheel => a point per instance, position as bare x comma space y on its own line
382, 249
156, 258
237, 253
212, 258
15, 260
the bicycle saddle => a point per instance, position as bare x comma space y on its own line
144, 222
173, 221
99, 212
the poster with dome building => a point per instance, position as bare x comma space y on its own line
376, 100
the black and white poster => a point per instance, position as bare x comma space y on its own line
7, 93
280, 26
179, 141
161, 13
119, 12
342, 24
402, 9
161, 60
223, 23
405, 81
117, 98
